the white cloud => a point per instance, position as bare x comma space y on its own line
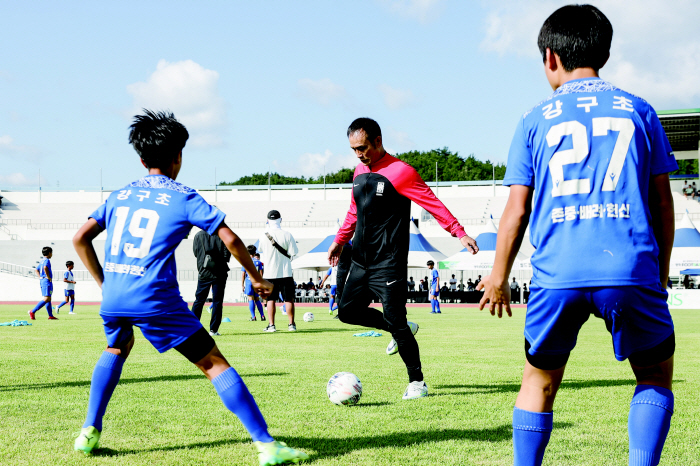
396, 99
20, 179
311, 164
421, 10
191, 92
654, 54
395, 141
323, 91
9, 148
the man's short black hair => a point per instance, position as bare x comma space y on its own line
46, 250
368, 125
579, 34
252, 249
157, 137
430, 263
69, 264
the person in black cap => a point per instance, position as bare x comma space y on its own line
277, 248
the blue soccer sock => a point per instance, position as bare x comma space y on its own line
72, 303
239, 401
432, 305
49, 309
105, 378
648, 424
61, 305
437, 304
331, 302
39, 305
251, 308
531, 432
259, 305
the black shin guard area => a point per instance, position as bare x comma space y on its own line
546, 362
655, 355
196, 346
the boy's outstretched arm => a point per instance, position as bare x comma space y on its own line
240, 252
663, 221
511, 231
82, 242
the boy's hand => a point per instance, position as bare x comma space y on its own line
334, 253
263, 288
496, 294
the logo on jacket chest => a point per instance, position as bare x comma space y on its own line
380, 188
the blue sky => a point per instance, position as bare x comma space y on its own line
275, 84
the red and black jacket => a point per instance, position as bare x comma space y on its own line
380, 212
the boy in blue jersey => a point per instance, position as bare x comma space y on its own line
332, 277
145, 222
592, 162
253, 298
69, 280
43, 271
434, 289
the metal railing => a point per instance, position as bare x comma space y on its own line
15, 269
13, 236
288, 224
15, 221
54, 226
691, 215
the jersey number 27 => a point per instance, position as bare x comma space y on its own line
579, 151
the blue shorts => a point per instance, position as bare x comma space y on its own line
249, 289
334, 288
637, 317
46, 288
70, 292
434, 293
164, 331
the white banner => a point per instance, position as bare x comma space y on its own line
683, 299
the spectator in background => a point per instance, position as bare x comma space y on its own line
686, 282
669, 284
461, 287
444, 288
277, 248
470, 285
695, 190
453, 283
411, 284
686, 185
477, 281
421, 286
212, 258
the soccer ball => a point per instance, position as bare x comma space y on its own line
344, 388
308, 317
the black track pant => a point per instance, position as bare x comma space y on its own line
389, 286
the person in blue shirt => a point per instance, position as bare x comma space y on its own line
332, 277
588, 168
145, 222
434, 289
69, 280
253, 298
43, 271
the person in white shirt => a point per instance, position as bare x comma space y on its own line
453, 283
277, 248
69, 280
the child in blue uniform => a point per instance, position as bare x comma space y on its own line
332, 277
434, 290
145, 221
592, 162
43, 271
69, 280
253, 298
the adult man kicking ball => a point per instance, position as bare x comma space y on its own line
596, 160
145, 222
379, 216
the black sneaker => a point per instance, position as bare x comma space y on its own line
253, 319
262, 318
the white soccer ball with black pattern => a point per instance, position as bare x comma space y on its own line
344, 389
308, 317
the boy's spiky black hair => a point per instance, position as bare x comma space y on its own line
579, 34
368, 125
69, 263
46, 250
157, 137
252, 249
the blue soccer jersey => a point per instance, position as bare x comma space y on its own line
45, 262
435, 281
258, 265
145, 223
589, 152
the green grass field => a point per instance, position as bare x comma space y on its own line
165, 412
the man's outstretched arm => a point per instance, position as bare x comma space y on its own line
511, 231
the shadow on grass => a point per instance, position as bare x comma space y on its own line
331, 447
283, 329
160, 378
515, 387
